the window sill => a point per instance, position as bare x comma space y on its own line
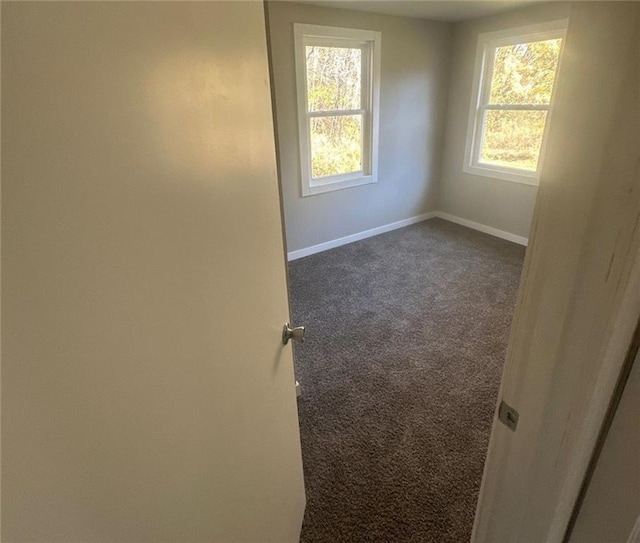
320, 187
504, 174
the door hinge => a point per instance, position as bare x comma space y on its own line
508, 416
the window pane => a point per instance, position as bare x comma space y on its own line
524, 73
513, 138
333, 78
336, 145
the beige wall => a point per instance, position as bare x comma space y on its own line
504, 205
612, 503
413, 94
146, 394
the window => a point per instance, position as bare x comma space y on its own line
511, 108
337, 76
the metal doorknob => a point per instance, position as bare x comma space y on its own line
296, 334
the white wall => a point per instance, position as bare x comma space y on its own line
612, 503
414, 78
504, 205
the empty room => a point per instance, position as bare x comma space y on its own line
411, 140
405, 331
320, 272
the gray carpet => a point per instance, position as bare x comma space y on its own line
406, 337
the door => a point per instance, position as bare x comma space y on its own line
146, 394
580, 296
610, 510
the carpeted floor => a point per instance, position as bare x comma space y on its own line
406, 337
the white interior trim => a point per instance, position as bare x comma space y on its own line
520, 240
482, 75
369, 41
307, 251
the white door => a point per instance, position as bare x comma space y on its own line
146, 395
580, 297
610, 510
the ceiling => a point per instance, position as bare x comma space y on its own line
452, 10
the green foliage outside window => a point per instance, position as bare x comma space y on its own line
522, 74
334, 84
336, 145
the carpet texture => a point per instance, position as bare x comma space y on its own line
406, 338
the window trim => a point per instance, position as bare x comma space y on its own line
483, 73
370, 42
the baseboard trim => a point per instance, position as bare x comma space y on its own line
307, 251
520, 240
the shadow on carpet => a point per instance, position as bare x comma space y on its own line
406, 339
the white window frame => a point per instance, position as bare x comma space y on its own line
483, 74
369, 42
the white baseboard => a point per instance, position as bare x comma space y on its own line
307, 251
520, 240
294, 255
